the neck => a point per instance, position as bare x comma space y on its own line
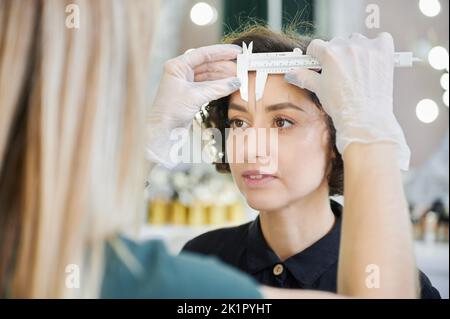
296, 226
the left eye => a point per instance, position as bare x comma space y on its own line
282, 123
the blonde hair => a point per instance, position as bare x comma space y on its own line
72, 115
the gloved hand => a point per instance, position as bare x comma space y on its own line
355, 88
189, 81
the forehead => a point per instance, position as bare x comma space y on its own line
277, 90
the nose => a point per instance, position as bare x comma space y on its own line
259, 145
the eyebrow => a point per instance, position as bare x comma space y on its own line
271, 108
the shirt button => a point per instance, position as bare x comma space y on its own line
278, 269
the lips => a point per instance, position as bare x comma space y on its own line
256, 178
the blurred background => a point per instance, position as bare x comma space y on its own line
199, 199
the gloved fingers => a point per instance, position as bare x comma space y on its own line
358, 37
212, 76
318, 49
212, 53
224, 67
384, 42
214, 90
338, 41
304, 78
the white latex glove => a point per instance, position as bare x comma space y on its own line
355, 88
189, 81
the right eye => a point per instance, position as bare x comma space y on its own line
237, 123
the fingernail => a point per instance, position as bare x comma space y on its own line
235, 84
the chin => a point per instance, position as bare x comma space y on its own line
263, 201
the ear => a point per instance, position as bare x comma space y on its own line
325, 138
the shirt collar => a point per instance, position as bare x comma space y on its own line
306, 266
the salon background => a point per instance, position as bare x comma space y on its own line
420, 99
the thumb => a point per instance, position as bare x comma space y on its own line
304, 79
214, 90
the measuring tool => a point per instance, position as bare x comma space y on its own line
284, 62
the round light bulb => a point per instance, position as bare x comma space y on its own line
430, 8
203, 14
444, 81
427, 111
438, 58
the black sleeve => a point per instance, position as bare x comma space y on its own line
228, 244
207, 243
427, 291
223, 240
196, 245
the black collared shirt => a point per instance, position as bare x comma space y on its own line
314, 268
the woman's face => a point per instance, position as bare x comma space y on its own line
277, 169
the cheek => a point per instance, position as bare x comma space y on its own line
236, 171
304, 157
236, 151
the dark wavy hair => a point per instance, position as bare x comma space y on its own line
265, 40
